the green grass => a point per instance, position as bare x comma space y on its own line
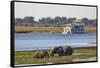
25, 57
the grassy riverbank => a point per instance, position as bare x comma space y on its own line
50, 29
26, 29
25, 57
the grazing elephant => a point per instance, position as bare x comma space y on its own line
68, 50
62, 51
41, 54
57, 50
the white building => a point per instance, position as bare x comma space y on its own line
67, 29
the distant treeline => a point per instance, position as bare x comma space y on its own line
57, 20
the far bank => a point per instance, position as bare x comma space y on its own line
49, 29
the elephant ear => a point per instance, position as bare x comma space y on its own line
65, 48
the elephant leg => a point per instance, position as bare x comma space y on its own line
52, 53
71, 52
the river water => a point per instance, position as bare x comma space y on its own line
36, 41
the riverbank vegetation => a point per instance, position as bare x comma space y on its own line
49, 29
51, 25
25, 57
57, 20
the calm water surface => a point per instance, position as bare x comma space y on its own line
34, 41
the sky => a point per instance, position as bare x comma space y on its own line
38, 10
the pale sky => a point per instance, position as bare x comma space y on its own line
38, 10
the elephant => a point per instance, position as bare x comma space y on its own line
68, 50
57, 50
41, 54
62, 51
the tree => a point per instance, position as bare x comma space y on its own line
64, 20
19, 20
29, 19
71, 19
58, 20
42, 20
85, 20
